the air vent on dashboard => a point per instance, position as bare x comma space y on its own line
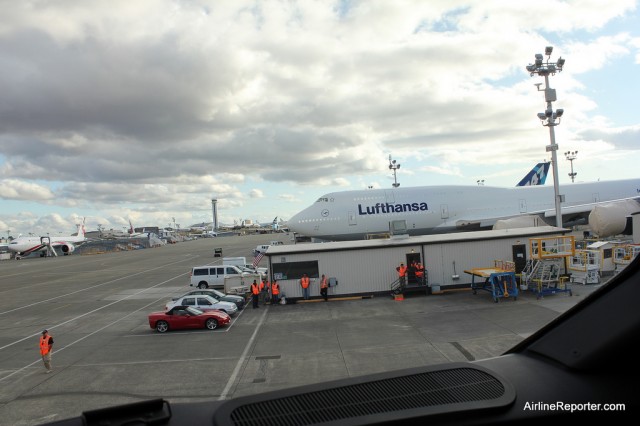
403, 394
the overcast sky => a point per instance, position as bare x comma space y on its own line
145, 110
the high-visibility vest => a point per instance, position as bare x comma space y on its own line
275, 288
262, 285
402, 270
254, 288
323, 283
304, 282
44, 344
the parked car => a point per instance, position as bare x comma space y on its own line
238, 300
182, 317
213, 276
204, 303
250, 269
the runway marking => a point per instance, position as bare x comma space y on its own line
61, 307
156, 361
91, 288
96, 310
86, 336
243, 358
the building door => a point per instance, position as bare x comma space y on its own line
411, 272
519, 256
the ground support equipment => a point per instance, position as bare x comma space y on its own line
500, 283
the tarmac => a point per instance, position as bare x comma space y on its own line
105, 353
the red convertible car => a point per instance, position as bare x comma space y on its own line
180, 317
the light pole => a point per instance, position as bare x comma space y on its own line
394, 166
571, 155
550, 118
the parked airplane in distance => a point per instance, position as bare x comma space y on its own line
275, 225
351, 215
24, 246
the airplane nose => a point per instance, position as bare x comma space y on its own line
297, 222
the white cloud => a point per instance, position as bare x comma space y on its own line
14, 189
155, 107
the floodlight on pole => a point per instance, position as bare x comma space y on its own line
571, 155
393, 165
550, 118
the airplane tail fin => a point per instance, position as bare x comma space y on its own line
130, 227
537, 175
81, 230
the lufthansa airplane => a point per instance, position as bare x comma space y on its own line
351, 215
24, 246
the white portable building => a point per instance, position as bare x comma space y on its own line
369, 266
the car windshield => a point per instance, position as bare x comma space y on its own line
132, 130
193, 311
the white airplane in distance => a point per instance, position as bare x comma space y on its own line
351, 215
24, 246
133, 234
269, 224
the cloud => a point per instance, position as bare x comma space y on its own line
256, 193
13, 189
620, 138
158, 106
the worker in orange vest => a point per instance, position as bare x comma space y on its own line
420, 273
46, 347
324, 287
402, 273
275, 292
255, 292
263, 289
304, 283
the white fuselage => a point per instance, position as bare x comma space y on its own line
28, 245
352, 215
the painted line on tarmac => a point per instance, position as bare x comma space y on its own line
96, 310
91, 288
156, 361
243, 357
88, 335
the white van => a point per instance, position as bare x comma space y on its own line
240, 262
213, 276
261, 249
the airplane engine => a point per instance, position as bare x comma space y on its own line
67, 248
611, 218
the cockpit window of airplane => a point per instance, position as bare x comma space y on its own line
323, 200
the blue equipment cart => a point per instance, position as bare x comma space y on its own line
500, 283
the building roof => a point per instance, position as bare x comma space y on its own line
417, 240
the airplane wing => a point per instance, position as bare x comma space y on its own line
588, 208
605, 217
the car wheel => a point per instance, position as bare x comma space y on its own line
211, 324
203, 285
162, 326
